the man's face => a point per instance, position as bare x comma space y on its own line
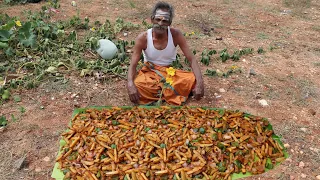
161, 21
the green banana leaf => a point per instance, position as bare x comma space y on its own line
58, 174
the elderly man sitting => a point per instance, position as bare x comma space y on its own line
159, 47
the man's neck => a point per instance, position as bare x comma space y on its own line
159, 36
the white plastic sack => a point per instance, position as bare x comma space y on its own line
107, 49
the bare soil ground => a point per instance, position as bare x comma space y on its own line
286, 77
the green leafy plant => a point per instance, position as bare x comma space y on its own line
233, 69
260, 50
3, 121
176, 63
46, 49
13, 119
122, 54
146, 25
205, 58
22, 109
246, 51
236, 55
17, 98
211, 52
5, 95
120, 25
224, 55
210, 72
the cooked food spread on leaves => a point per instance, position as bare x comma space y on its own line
167, 143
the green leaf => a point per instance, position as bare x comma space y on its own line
147, 129
269, 164
114, 63
235, 144
275, 137
3, 45
260, 50
205, 60
237, 163
25, 29
152, 156
3, 121
214, 137
10, 24
22, 109
188, 161
202, 130
9, 51
98, 174
256, 158
17, 98
103, 156
72, 36
163, 145
115, 122
28, 41
212, 52
239, 152
224, 56
6, 94
113, 146
14, 119
221, 167
85, 72
175, 177
221, 146
51, 69
163, 121
210, 72
269, 127
4, 35
65, 171
235, 56
221, 112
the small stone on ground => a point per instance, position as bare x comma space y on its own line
263, 102
301, 164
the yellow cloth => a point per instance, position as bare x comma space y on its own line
149, 85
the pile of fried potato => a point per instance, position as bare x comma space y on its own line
167, 143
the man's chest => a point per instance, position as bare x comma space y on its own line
160, 44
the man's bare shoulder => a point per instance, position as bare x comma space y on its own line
141, 40
177, 36
175, 32
142, 36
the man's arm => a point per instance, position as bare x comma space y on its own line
141, 43
181, 41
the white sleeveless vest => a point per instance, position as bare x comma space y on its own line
160, 57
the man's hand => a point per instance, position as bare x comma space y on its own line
133, 92
198, 90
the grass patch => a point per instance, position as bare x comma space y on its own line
262, 35
297, 3
298, 7
132, 4
316, 28
316, 64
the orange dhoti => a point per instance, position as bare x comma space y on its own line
148, 82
